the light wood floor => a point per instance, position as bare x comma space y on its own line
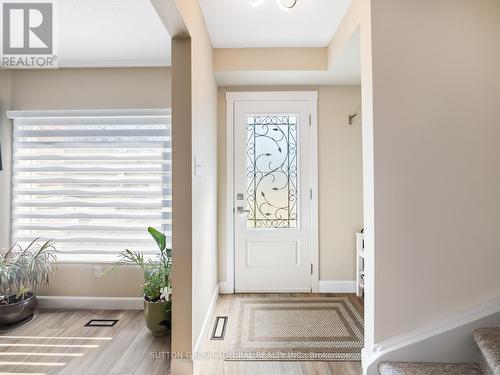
221, 367
58, 343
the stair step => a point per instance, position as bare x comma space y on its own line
414, 368
488, 342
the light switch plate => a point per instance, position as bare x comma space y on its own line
197, 167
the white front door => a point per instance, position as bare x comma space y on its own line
273, 186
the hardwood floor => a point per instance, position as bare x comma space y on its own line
217, 366
58, 343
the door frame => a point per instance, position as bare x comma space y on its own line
228, 286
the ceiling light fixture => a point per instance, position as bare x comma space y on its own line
287, 4
283, 4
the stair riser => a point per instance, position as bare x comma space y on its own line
485, 367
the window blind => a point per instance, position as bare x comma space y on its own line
93, 182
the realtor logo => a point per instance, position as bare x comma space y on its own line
28, 34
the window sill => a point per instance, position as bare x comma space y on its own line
94, 258
86, 259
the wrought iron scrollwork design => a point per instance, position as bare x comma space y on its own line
272, 171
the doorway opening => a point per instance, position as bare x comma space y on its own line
273, 187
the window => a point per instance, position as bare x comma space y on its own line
91, 180
272, 170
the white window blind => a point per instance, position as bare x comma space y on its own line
92, 181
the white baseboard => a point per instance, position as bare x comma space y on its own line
445, 340
90, 303
337, 286
208, 319
225, 287
182, 366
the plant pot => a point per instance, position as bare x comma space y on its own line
155, 314
17, 312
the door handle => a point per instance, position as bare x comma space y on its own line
241, 210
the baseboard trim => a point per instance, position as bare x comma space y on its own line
208, 319
444, 325
90, 303
337, 286
182, 366
225, 287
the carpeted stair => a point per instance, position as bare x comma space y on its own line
488, 342
407, 368
486, 339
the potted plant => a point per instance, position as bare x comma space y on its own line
22, 271
157, 283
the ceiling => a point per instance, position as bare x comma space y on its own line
111, 33
239, 24
128, 33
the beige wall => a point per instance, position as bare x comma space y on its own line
436, 87
91, 88
340, 181
78, 89
269, 59
340, 177
182, 209
78, 280
204, 149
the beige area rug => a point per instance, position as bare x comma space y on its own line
297, 328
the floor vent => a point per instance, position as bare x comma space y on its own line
219, 328
101, 323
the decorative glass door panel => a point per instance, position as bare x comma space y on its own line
272, 169
272, 206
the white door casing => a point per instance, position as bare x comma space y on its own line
272, 153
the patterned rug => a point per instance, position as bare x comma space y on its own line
297, 328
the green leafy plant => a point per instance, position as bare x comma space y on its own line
22, 271
157, 272
157, 275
